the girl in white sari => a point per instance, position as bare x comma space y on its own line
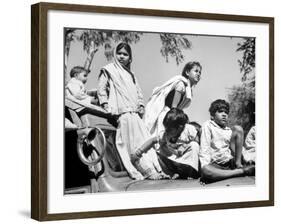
120, 94
175, 93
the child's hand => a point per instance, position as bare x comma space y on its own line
134, 158
94, 101
105, 106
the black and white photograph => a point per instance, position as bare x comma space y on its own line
149, 111
154, 111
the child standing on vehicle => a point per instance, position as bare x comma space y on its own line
119, 93
75, 88
221, 147
178, 147
176, 92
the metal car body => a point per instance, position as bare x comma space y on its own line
93, 134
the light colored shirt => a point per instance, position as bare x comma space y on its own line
169, 149
249, 151
215, 143
184, 151
180, 87
156, 104
75, 88
250, 141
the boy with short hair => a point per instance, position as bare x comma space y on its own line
177, 146
75, 88
221, 147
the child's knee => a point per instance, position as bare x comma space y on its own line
237, 129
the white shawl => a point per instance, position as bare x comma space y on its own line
124, 94
156, 103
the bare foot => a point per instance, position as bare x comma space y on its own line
136, 175
164, 175
249, 170
175, 176
154, 176
158, 176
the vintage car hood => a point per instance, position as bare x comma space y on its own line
176, 184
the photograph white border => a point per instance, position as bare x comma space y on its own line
59, 203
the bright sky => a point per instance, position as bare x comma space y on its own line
217, 56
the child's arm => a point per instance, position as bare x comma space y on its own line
140, 96
179, 90
144, 148
103, 90
92, 92
141, 109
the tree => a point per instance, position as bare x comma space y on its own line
93, 40
242, 97
69, 36
248, 62
242, 106
172, 45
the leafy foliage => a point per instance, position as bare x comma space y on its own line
248, 62
68, 37
242, 106
172, 45
93, 40
242, 97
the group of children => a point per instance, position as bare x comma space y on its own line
158, 141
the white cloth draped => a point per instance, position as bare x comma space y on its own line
249, 151
124, 98
156, 110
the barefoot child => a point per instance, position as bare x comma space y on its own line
176, 92
221, 147
120, 94
178, 146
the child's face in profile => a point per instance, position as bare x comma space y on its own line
221, 117
82, 76
123, 57
194, 75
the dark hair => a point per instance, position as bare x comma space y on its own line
218, 105
76, 70
196, 125
126, 46
175, 118
188, 66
